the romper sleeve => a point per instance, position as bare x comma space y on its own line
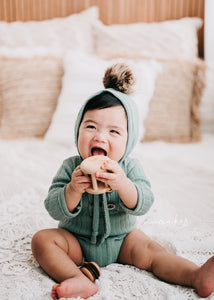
135, 173
55, 202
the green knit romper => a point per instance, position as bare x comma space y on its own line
101, 222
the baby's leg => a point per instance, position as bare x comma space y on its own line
204, 279
59, 253
139, 250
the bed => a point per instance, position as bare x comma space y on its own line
49, 64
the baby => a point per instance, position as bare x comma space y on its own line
101, 228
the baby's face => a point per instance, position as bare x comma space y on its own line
103, 132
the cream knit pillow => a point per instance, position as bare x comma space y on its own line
174, 110
29, 88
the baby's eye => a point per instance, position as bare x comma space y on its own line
114, 131
91, 127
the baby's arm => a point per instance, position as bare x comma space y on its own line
75, 188
117, 180
59, 199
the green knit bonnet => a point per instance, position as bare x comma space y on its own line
118, 80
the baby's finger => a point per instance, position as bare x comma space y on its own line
78, 172
86, 179
85, 185
110, 166
105, 176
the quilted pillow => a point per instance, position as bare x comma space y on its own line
29, 88
167, 39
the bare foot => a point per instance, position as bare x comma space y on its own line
53, 292
78, 286
204, 281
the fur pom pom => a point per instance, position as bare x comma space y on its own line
119, 77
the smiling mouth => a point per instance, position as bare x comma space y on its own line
98, 151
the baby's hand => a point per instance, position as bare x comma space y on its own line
115, 177
79, 182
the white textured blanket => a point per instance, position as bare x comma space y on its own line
182, 218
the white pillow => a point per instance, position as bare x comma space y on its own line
25, 52
167, 39
82, 78
72, 32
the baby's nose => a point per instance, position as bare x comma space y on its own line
100, 136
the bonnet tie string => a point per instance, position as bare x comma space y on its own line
96, 217
107, 224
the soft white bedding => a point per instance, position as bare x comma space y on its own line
182, 177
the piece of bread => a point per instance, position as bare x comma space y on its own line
90, 166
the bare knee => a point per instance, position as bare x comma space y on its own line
154, 250
46, 238
49, 241
139, 250
40, 241
143, 257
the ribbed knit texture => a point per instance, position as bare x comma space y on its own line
80, 221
